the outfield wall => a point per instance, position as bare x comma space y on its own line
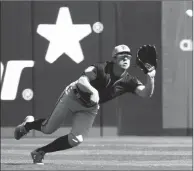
168, 112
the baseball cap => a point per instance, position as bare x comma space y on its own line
121, 49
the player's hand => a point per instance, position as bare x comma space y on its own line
95, 97
152, 73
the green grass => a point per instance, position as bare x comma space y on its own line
114, 153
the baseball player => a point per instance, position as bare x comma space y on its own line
99, 83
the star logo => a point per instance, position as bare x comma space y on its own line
64, 37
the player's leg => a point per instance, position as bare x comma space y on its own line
82, 122
58, 144
75, 137
48, 125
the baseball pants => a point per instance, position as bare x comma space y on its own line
82, 117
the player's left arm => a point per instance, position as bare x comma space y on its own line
147, 89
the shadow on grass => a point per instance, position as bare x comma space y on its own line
16, 164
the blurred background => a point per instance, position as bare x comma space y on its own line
31, 83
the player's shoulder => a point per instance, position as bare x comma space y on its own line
129, 77
102, 65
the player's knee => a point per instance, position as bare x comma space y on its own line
75, 140
45, 130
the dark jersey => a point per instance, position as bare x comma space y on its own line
109, 86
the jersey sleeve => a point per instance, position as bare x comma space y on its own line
132, 84
90, 72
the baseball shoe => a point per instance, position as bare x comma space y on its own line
37, 157
20, 130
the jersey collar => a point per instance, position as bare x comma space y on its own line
110, 70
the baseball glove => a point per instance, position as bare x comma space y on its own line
146, 58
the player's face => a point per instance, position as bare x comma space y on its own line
123, 60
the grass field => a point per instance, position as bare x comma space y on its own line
121, 153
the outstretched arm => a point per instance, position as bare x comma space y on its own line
147, 89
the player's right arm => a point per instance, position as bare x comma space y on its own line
84, 83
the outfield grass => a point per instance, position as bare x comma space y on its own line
114, 153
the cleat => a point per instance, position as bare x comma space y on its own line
37, 157
20, 130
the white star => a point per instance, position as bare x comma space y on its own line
64, 37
